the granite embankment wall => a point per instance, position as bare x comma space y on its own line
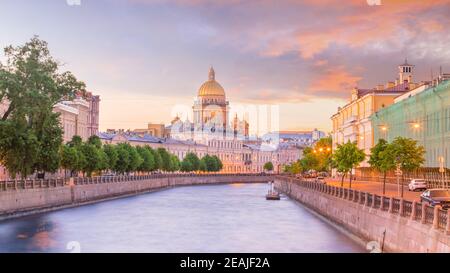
396, 225
18, 198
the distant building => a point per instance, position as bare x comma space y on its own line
352, 122
298, 138
153, 129
79, 116
422, 114
211, 132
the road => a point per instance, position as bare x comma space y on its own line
377, 188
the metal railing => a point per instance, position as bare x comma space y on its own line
60, 182
32, 184
416, 211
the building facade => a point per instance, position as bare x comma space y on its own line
212, 132
353, 123
422, 114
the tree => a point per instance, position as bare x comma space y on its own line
157, 158
135, 159
69, 158
174, 163
93, 158
347, 157
95, 140
103, 163
219, 164
123, 159
165, 159
407, 154
322, 153
268, 166
148, 163
111, 154
76, 141
381, 159
202, 166
31, 84
210, 163
19, 150
194, 160
186, 166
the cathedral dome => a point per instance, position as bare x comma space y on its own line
211, 87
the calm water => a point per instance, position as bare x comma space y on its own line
217, 218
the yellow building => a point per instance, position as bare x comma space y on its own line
352, 121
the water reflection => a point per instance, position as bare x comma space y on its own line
219, 218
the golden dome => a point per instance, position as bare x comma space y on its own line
211, 87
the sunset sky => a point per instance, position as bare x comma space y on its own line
145, 56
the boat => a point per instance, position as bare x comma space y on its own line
272, 194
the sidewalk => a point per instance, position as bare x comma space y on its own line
376, 188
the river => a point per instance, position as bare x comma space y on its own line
212, 218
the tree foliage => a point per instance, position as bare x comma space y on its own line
31, 85
347, 157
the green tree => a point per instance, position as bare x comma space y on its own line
202, 166
218, 164
135, 159
165, 159
186, 166
123, 159
347, 157
93, 158
95, 140
268, 166
194, 160
157, 158
103, 164
174, 163
111, 154
148, 163
32, 84
69, 159
381, 159
210, 163
76, 141
407, 154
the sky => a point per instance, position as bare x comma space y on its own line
147, 58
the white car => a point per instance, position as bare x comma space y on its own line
417, 184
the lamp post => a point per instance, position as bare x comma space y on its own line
442, 170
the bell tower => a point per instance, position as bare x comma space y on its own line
405, 72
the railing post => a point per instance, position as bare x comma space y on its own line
402, 207
374, 199
436, 217
15, 184
424, 211
391, 204
447, 227
366, 199
413, 210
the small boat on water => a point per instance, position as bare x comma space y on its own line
272, 194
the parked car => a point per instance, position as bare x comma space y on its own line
436, 197
320, 179
417, 184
